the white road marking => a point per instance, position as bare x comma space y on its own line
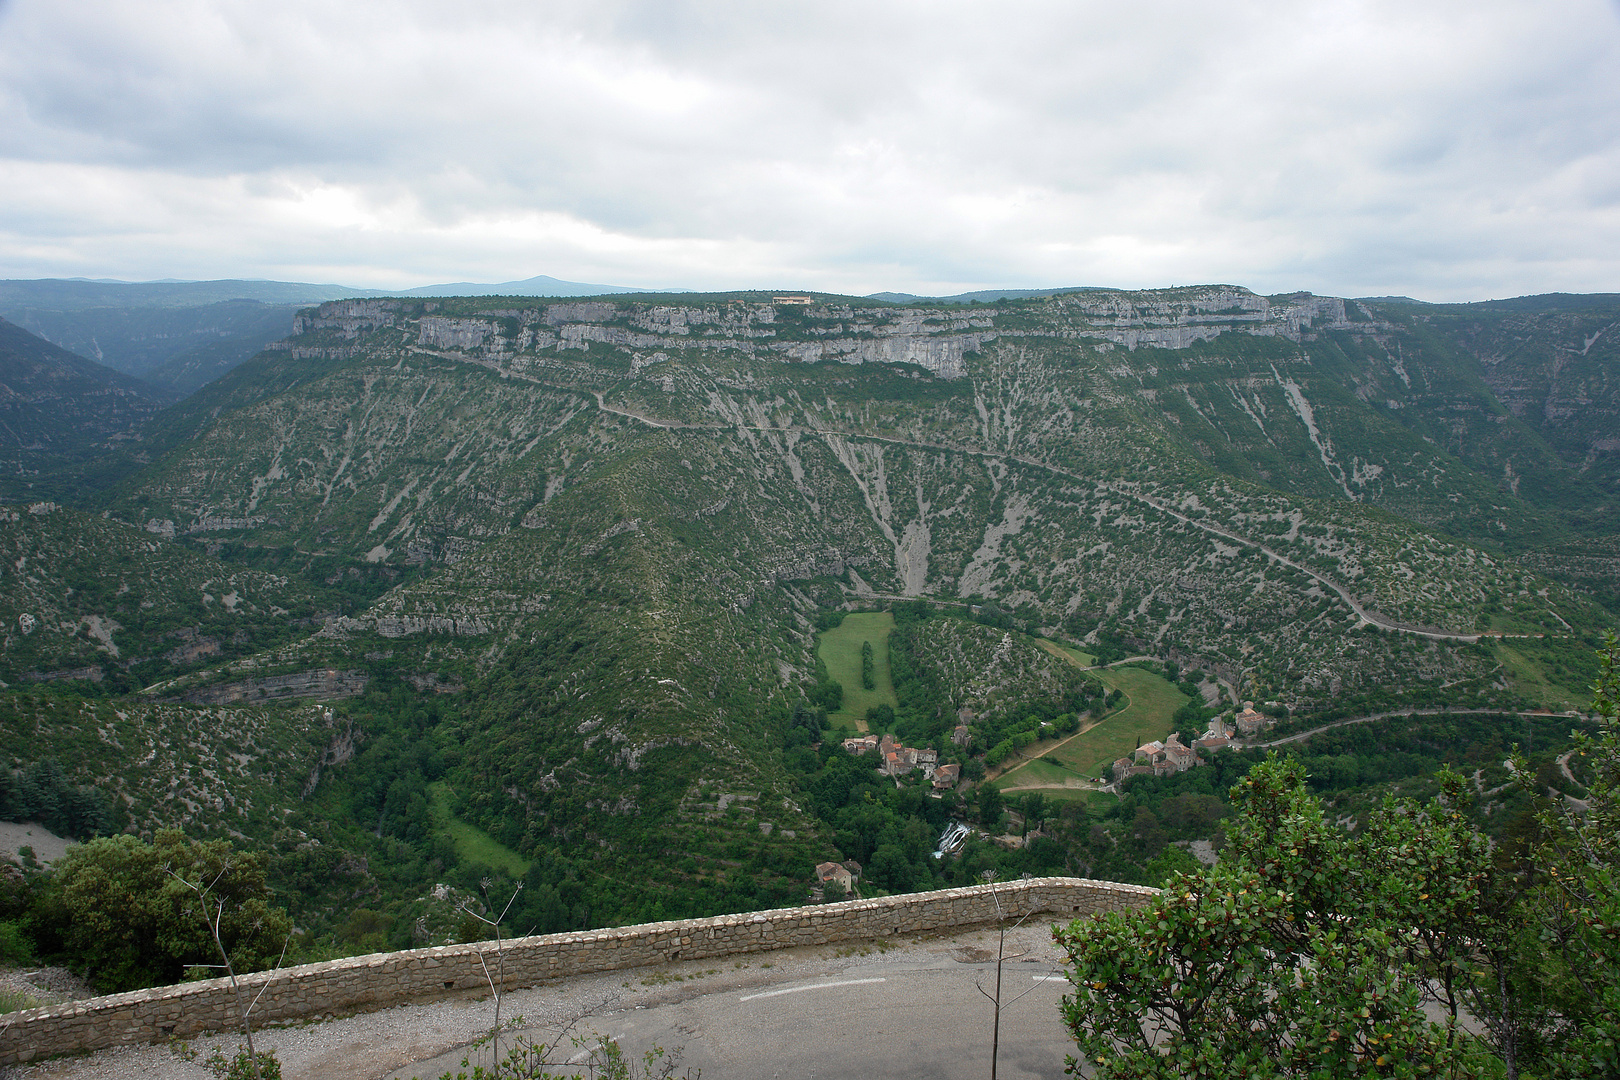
813, 986
1050, 978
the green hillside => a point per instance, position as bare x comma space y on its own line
560, 569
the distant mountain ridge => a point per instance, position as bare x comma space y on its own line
78, 294
983, 296
540, 285
60, 413
180, 335
59, 294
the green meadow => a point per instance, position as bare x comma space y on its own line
473, 844
840, 650
1151, 702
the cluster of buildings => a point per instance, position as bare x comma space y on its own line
897, 759
1173, 756
1156, 759
1250, 722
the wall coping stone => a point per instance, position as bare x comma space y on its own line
381, 980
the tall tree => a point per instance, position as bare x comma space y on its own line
126, 911
1577, 908
1286, 959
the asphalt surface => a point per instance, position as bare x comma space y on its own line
903, 1008
914, 1011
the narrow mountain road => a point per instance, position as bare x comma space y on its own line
1344, 594
1300, 736
906, 1008
667, 425
1365, 616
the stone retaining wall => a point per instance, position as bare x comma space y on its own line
359, 983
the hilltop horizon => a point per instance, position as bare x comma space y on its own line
544, 285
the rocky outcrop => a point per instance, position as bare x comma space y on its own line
323, 683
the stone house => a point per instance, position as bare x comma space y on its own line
895, 757
1124, 768
1177, 756
830, 872
899, 759
1217, 736
1160, 758
1250, 722
946, 777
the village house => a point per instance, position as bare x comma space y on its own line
961, 736
1125, 768
894, 757
1178, 757
830, 872
946, 777
860, 744
1158, 759
1249, 721
1218, 736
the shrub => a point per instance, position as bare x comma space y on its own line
123, 917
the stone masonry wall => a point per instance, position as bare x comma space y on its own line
359, 983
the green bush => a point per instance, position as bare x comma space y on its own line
123, 917
16, 947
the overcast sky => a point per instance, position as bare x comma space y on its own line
1448, 151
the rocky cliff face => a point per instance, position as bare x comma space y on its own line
1115, 460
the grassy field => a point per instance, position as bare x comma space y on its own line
1068, 652
840, 650
1152, 702
1531, 677
1039, 771
473, 844
1097, 799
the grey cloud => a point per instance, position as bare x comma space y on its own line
1405, 146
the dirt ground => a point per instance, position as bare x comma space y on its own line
48, 847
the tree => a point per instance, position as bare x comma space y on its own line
1575, 903
124, 910
868, 667
1035, 809
889, 869
211, 907
991, 804
1286, 959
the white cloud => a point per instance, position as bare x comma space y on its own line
1445, 150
